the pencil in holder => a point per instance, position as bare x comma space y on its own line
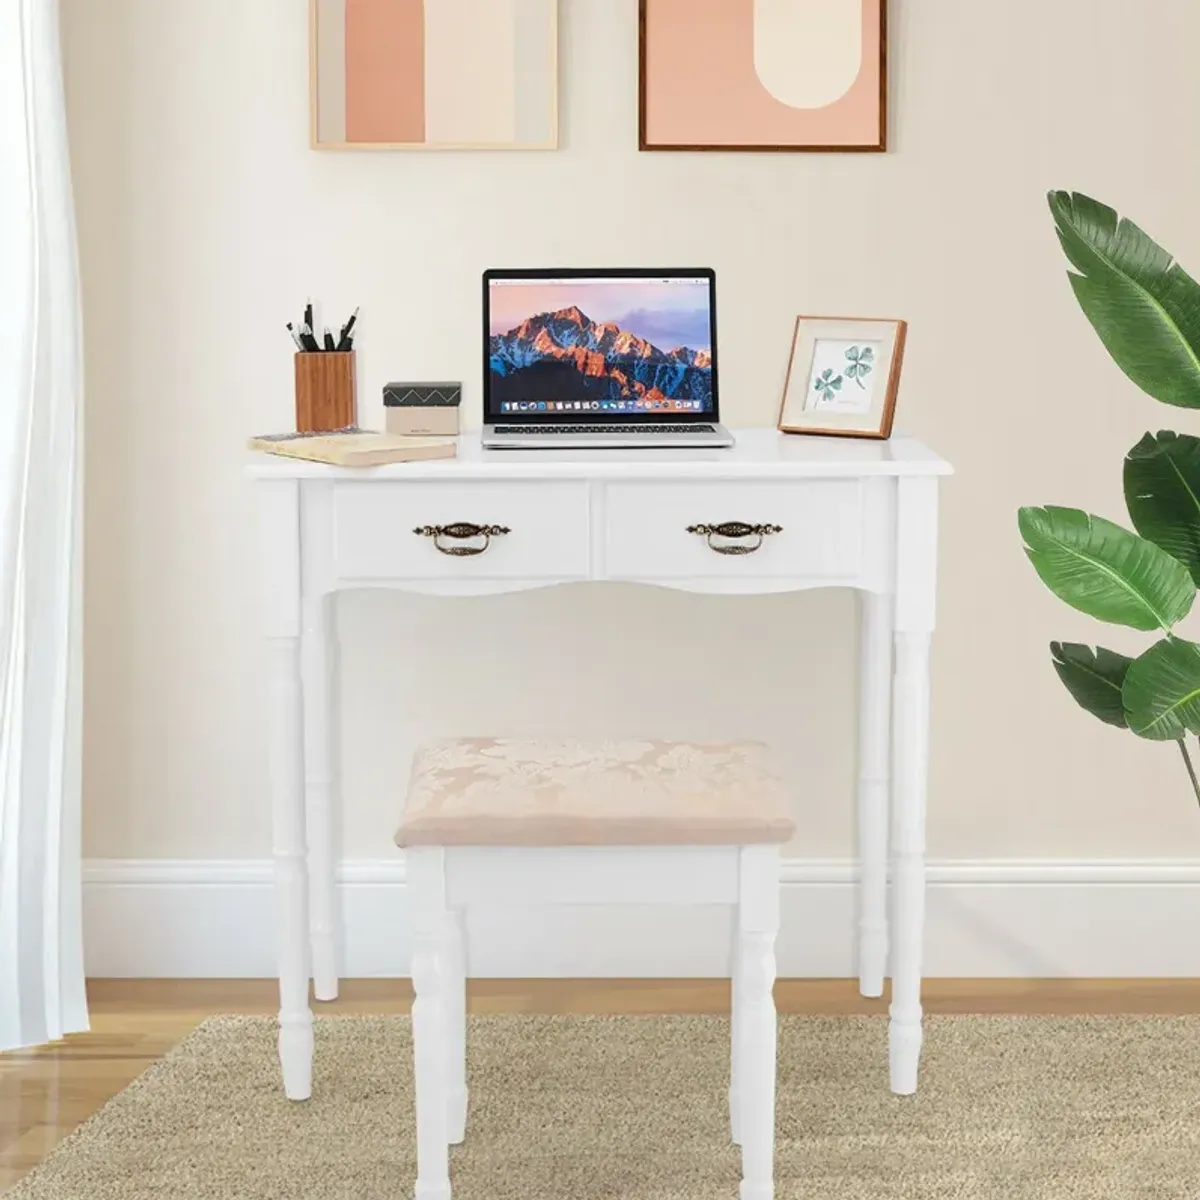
325, 390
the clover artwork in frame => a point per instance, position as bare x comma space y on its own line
433, 74
843, 376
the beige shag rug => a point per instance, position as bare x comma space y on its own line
633, 1108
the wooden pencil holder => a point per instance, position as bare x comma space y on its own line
325, 390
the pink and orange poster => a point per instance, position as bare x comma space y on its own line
763, 75
435, 74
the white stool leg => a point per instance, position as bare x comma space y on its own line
875, 702
758, 923
427, 886
737, 1011
456, 1025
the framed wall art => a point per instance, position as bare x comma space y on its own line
843, 376
763, 75
434, 74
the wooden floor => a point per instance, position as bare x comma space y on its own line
46, 1093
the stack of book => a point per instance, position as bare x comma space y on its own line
353, 447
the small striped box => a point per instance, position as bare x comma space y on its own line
422, 409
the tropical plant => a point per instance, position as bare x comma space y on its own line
859, 366
1146, 310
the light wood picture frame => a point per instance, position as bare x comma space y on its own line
788, 75
843, 376
455, 75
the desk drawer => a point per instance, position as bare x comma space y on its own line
814, 530
539, 530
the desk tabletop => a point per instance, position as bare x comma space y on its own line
758, 454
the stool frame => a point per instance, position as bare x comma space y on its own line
445, 881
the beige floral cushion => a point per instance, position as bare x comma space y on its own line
515, 792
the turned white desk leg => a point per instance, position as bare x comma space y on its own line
736, 1016
291, 882
912, 758
875, 702
318, 649
430, 1019
916, 571
279, 552
758, 924
456, 1024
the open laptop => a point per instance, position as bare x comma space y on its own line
584, 359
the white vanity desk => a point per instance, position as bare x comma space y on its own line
800, 512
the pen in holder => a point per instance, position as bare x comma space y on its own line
325, 392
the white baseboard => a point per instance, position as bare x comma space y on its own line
1026, 918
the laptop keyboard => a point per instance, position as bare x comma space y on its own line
558, 429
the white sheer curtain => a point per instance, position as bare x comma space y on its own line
41, 952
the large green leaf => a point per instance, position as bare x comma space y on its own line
1104, 570
1094, 678
1162, 691
1142, 303
1162, 492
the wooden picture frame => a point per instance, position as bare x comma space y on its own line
843, 376
479, 99
724, 70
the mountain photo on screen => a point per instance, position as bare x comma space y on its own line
592, 342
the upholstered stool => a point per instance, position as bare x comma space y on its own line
503, 821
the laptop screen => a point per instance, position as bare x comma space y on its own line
604, 345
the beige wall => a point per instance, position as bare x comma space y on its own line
205, 221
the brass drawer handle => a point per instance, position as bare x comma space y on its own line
462, 531
733, 530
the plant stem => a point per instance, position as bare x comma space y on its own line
1187, 759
